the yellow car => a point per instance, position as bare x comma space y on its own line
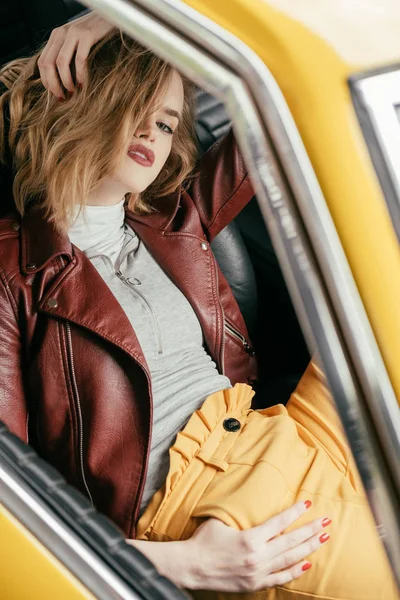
312, 89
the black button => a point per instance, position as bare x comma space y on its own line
231, 425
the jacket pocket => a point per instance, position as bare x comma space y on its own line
78, 409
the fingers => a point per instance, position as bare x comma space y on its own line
55, 61
82, 54
277, 524
47, 63
287, 575
283, 557
63, 62
295, 554
296, 537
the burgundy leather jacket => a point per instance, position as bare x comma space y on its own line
73, 380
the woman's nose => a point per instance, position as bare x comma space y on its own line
146, 131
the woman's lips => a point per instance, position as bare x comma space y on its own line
142, 155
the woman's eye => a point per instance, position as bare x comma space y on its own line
164, 127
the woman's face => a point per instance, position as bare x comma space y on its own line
148, 149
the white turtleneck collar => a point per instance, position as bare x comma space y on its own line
99, 229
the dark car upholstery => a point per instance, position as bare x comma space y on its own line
243, 249
26, 24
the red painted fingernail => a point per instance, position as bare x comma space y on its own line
324, 538
306, 566
80, 85
307, 504
326, 522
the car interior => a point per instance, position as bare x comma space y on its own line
247, 259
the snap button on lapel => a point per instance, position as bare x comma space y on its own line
52, 303
15, 226
31, 266
204, 246
231, 425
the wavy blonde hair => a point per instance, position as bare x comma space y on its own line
61, 150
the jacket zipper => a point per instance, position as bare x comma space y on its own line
136, 512
222, 352
236, 334
78, 404
147, 303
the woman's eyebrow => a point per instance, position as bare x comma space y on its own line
171, 112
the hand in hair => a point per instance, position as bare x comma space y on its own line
72, 38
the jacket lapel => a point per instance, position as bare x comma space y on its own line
78, 294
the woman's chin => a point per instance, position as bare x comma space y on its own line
135, 188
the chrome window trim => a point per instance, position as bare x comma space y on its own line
376, 96
310, 253
87, 567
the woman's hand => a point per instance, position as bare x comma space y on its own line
78, 36
220, 558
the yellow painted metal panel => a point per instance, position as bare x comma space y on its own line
313, 79
28, 571
365, 32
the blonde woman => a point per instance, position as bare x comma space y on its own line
116, 364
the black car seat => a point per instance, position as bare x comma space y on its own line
243, 249
228, 247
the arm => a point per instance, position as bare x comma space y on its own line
220, 558
13, 407
222, 188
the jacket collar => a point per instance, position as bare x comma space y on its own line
41, 242
164, 213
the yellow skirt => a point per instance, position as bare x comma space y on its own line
278, 456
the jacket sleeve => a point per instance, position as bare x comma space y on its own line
13, 406
222, 187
